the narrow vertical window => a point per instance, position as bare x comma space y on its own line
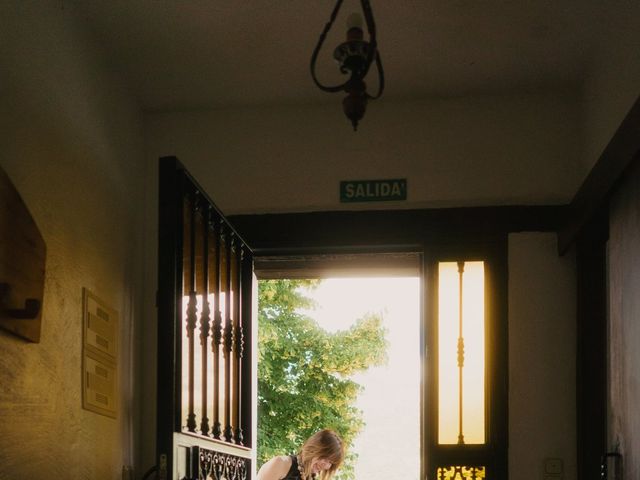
461, 357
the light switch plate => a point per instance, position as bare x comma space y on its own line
99, 356
100, 326
553, 466
99, 385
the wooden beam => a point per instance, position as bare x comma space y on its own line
385, 230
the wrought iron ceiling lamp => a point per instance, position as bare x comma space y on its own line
355, 57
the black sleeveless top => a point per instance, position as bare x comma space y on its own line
293, 473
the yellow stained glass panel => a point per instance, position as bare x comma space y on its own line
461, 341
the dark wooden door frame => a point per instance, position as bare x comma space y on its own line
591, 346
389, 230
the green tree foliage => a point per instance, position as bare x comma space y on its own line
304, 371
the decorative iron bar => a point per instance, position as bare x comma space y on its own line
205, 317
192, 317
460, 354
228, 339
234, 341
461, 472
217, 331
238, 345
221, 466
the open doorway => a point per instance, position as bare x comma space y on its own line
390, 396
387, 403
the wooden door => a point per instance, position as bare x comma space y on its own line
205, 355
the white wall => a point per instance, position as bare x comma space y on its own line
542, 352
71, 142
613, 83
495, 150
624, 326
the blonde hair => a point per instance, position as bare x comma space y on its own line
325, 444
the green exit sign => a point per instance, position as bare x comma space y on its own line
373, 190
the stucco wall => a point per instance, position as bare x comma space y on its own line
624, 327
613, 80
542, 376
494, 150
71, 142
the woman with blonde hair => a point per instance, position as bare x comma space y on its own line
318, 459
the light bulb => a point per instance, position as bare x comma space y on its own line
354, 21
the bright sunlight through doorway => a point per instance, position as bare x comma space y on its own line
390, 400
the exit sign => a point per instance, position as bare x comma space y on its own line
373, 190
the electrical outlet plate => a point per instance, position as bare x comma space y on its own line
99, 359
553, 466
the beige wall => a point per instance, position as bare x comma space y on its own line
613, 82
542, 338
624, 327
494, 150
71, 142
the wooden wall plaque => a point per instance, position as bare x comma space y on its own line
22, 265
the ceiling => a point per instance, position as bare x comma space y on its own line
198, 54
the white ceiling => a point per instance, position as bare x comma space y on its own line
195, 54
